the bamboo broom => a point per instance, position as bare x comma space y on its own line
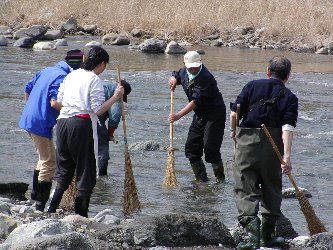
315, 226
170, 176
131, 201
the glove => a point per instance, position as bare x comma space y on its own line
110, 132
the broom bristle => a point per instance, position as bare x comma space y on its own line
170, 176
131, 201
68, 199
315, 226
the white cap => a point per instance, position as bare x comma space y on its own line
192, 59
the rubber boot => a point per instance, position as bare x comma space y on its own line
199, 171
55, 199
33, 194
43, 194
253, 230
268, 234
218, 171
82, 205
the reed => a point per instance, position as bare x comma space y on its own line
308, 21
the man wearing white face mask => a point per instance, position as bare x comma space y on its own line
207, 128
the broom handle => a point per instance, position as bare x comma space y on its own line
122, 108
171, 123
279, 156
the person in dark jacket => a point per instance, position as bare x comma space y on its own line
39, 117
207, 128
105, 133
257, 170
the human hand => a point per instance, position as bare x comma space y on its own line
172, 83
173, 117
119, 92
286, 167
233, 135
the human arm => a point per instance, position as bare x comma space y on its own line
184, 111
174, 80
118, 93
29, 86
114, 114
287, 137
233, 117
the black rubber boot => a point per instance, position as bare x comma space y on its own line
43, 194
199, 171
253, 230
218, 171
268, 234
34, 191
82, 205
56, 199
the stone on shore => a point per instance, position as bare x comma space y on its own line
53, 35
174, 48
35, 32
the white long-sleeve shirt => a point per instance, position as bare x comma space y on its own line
81, 92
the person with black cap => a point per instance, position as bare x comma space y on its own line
105, 133
39, 117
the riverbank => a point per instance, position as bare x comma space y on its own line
288, 25
22, 227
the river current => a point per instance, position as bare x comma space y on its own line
146, 120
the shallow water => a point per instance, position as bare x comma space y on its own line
146, 119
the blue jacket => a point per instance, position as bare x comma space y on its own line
254, 114
114, 112
203, 91
38, 117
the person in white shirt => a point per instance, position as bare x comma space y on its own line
82, 98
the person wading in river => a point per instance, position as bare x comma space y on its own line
207, 128
257, 170
105, 134
39, 117
82, 97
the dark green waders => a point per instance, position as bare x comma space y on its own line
258, 180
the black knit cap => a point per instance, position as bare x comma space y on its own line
127, 89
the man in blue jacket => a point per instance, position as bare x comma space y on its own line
39, 117
105, 134
207, 128
257, 170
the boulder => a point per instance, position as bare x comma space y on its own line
53, 35
152, 45
320, 241
24, 42
174, 48
44, 46
14, 189
3, 41
7, 225
61, 42
70, 26
35, 32
93, 43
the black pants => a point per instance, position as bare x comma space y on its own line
75, 154
205, 136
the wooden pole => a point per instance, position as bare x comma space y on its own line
170, 179
131, 201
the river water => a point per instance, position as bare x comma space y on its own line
146, 119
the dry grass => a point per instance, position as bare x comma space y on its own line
301, 20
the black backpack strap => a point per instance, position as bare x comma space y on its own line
271, 101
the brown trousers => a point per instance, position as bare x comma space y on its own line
46, 157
